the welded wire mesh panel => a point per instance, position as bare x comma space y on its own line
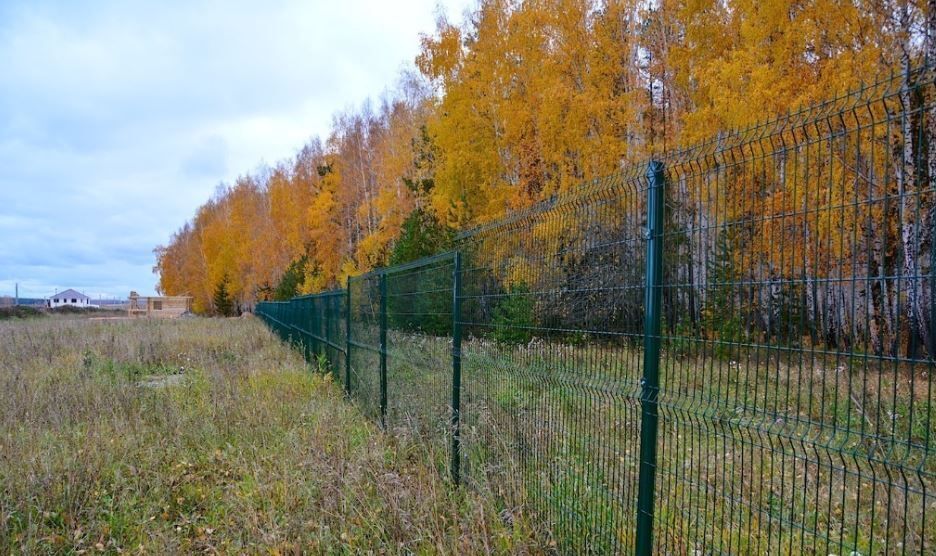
315, 324
335, 333
321, 318
796, 311
274, 314
365, 383
419, 351
796, 402
302, 319
552, 313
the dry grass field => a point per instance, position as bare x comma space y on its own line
209, 436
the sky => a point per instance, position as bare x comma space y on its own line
119, 118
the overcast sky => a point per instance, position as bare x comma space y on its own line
118, 118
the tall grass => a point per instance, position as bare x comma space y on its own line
211, 436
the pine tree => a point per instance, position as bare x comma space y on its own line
421, 235
720, 314
291, 281
223, 304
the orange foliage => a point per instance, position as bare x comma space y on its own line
524, 100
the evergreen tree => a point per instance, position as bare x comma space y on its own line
421, 235
223, 304
291, 280
720, 314
428, 307
513, 318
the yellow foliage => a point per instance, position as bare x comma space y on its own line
529, 99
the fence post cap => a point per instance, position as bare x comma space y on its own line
654, 167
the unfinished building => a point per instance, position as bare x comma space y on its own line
171, 306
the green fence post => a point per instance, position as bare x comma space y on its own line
932, 319
383, 350
317, 327
304, 310
311, 326
323, 326
327, 323
456, 368
333, 316
315, 309
650, 384
348, 337
330, 329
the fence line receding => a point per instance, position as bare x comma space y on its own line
741, 365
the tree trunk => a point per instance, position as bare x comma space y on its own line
930, 217
907, 190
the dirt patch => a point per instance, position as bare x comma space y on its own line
162, 381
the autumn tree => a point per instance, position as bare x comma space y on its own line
524, 101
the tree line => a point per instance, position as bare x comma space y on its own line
524, 100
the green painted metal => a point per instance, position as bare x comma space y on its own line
347, 359
456, 369
383, 350
650, 383
748, 376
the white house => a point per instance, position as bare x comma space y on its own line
70, 297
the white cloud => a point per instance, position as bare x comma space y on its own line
117, 119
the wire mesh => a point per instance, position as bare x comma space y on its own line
796, 390
553, 314
315, 324
419, 360
795, 398
365, 345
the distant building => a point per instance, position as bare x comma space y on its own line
172, 306
112, 303
70, 297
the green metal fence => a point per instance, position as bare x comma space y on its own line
729, 350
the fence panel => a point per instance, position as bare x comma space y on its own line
794, 343
365, 343
796, 389
552, 361
419, 352
315, 324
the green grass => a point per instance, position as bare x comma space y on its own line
244, 450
